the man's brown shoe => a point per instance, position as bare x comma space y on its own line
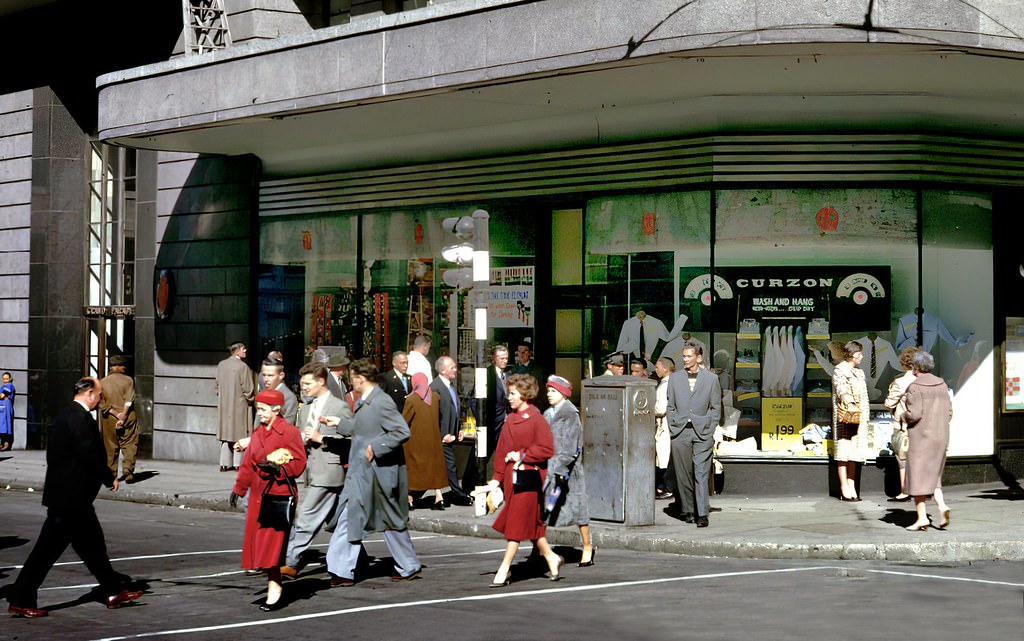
288, 572
342, 582
28, 613
124, 596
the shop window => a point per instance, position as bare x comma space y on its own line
955, 318
798, 273
635, 248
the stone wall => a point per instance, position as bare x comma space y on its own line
205, 229
15, 220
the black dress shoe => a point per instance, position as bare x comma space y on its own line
702, 521
438, 505
687, 517
28, 613
115, 601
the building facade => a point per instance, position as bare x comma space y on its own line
763, 179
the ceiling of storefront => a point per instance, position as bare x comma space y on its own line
761, 88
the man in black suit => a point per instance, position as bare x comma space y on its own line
495, 411
76, 466
448, 412
397, 382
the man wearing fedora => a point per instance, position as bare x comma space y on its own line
336, 366
118, 422
236, 388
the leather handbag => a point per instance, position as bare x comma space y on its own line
277, 512
847, 415
525, 479
899, 442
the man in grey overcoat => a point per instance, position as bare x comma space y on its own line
375, 497
235, 387
326, 454
694, 409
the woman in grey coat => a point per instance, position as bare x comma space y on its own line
929, 409
564, 419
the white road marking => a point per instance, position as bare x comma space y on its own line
170, 555
549, 591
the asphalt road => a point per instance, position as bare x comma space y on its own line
188, 559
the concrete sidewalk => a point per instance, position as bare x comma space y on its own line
986, 519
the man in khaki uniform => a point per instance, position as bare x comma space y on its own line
118, 422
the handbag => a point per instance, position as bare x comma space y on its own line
844, 414
525, 479
556, 488
277, 512
899, 443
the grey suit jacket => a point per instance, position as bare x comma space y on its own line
325, 460
702, 407
447, 411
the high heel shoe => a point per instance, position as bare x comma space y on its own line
849, 499
587, 564
502, 584
917, 527
272, 607
944, 523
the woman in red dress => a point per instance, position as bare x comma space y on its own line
274, 457
525, 444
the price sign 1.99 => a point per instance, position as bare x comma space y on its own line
781, 422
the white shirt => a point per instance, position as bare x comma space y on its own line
418, 364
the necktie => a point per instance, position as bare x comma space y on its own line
455, 398
314, 412
405, 383
874, 362
643, 345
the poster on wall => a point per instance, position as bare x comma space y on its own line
511, 301
1013, 397
851, 298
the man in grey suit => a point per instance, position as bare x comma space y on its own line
336, 365
694, 409
448, 415
326, 450
376, 491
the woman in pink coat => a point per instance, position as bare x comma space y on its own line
274, 457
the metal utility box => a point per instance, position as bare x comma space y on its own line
618, 448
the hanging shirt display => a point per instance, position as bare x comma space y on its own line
932, 328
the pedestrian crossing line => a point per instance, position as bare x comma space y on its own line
171, 555
473, 597
533, 593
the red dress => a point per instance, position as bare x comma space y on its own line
525, 431
264, 547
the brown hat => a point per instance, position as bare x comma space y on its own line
337, 360
118, 360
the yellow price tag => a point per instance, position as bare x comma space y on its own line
781, 422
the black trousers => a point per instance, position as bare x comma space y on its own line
81, 530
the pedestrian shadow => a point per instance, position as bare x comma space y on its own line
1002, 494
11, 542
896, 516
5, 458
139, 477
95, 595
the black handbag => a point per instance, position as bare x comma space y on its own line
525, 480
277, 512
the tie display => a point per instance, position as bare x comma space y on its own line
643, 341
874, 363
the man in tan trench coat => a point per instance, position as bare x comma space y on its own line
235, 390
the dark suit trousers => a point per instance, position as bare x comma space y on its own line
691, 458
453, 468
81, 530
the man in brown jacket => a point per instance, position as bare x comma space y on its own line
118, 422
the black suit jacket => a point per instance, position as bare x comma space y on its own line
76, 462
447, 411
392, 384
497, 402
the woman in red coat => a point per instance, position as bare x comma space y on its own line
274, 458
525, 444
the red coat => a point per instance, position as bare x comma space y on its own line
525, 431
264, 547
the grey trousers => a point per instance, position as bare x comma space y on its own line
691, 458
318, 509
342, 554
